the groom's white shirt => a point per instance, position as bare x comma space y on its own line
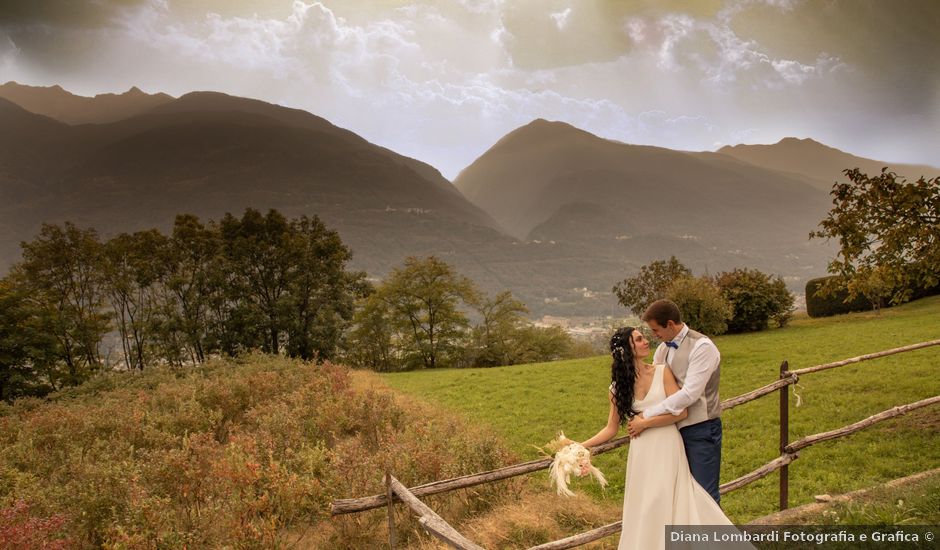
703, 360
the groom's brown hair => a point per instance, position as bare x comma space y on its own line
663, 311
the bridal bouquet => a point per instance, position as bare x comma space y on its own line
570, 458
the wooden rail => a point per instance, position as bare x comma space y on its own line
852, 428
763, 471
867, 357
759, 392
353, 505
582, 538
429, 519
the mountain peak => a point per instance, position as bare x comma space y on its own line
821, 163
541, 132
14, 86
542, 125
804, 142
789, 142
64, 106
797, 140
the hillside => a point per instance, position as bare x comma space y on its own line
207, 154
820, 164
246, 453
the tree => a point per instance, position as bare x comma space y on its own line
321, 294
263, 262
27, 353
496, 338
701, 303
372, 341
873, 284
783, 301
755, 298
537, 344
641, 290
505, 337
194, 266
424, 299
131, 268
888, 232
60, 276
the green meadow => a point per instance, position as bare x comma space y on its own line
528, 404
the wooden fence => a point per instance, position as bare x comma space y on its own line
789, 452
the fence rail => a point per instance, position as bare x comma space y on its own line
862, 424
429, 519
353, 505
435, 525
759, 392
867, 357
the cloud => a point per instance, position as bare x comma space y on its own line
718, 55
8, 55
561, 18
443, 87
443, 80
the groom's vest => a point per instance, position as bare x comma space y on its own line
707, 406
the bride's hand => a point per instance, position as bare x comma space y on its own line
636, 426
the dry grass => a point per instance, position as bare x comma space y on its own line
535, 517
236, 454
363, 530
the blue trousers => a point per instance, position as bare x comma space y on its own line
703, 449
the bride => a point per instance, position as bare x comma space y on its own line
660, 489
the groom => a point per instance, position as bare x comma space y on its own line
694, 360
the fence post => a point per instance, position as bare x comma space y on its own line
391, 511
784, 436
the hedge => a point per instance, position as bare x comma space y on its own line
834, 303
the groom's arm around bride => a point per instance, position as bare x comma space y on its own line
695, 362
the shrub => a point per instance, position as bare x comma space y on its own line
701, 303
755, 298
243, 454
21, 530
825, 303
650, 284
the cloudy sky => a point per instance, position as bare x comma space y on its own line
442, 80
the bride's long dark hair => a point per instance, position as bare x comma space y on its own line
623, 372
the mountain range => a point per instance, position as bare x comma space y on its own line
551, 212
820, 164
56, 103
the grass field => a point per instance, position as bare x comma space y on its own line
528, 404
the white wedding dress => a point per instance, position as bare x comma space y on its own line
660, 489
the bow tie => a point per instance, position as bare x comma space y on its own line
672, 345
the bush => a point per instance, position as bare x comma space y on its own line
919, 293
701, 303
755, 298
20, 530
832, 302
228, 455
